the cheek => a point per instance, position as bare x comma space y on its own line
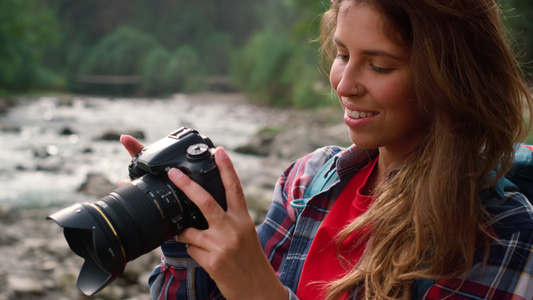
398, 94
335, 75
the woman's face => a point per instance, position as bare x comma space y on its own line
383, 113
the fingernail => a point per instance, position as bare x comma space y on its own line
174, 174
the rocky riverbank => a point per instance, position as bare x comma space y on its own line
36, 262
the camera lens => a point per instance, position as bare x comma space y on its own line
141, 215
129, 222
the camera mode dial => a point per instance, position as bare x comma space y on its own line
198, 151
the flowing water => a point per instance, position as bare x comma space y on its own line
47, 148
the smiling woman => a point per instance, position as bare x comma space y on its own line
410, 210
373, 79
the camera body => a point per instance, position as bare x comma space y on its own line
193, 154
141, 215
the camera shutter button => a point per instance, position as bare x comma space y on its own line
198, 151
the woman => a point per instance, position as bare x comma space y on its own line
434, 101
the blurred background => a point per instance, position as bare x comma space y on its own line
160, 47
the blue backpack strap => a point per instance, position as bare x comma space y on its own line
325, 175
521, 174
519, 178
420, 287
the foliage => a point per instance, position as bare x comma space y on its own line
25, 28
519, 17
164, 72
156, 61
122, 52
276, 70
178, 45
311, 11
119, 53
529, 138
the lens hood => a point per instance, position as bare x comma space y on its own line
83, 230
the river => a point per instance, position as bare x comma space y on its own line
48, 145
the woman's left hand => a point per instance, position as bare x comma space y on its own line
229, 250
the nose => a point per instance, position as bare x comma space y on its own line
348, 85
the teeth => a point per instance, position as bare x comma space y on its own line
359, 114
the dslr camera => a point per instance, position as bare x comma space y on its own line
139, 216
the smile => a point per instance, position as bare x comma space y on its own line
359, 114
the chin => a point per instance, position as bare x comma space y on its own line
364, 143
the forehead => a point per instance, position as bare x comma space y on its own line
363, 27
370, 16
355, 19
370, 12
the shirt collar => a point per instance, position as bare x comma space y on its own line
354, 158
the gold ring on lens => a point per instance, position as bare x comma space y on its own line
112, 229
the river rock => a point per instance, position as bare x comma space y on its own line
9, 214
6, 103
50, 163
10, 128
40, 264
114, 134
24, 286
8, 237
97, 185
65, 100
261, 143
67, 131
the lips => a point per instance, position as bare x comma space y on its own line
356, 114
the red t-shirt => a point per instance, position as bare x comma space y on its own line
322, 264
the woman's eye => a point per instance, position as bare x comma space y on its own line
341, 56
380, 70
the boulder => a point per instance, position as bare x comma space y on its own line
25, 286
97, 185
9, 214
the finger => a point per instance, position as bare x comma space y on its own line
131, 144
123, 182
191, 236
230, 180
196, 193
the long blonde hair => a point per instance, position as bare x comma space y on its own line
428, 220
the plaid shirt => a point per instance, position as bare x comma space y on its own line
286, 236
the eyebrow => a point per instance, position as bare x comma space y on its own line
370, 52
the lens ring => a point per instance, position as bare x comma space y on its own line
112, 229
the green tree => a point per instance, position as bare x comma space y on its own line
156, 61
279, 66
26, 29
277, 70
165, 72
121, 52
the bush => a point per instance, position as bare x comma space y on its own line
120, 53
156, 61
165, 73
26, 29
276, 70
185, 72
